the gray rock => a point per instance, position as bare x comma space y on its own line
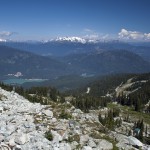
12, 143
61, 126
21, 139
53, 120
124, 144
86, 148
83, 139
74, 145
18, 147
64, 146
104, 145
10, 128
56, 137
48, 113
4, 147
1, 109
1, 137
91, 143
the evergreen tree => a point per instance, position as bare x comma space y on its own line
137, 105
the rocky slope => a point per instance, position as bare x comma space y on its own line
23, 126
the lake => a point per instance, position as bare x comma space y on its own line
21, 81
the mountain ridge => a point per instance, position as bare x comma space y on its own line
94, 63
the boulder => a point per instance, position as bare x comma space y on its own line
12, 143
91, 143
134, 141
61, 126
56, 137
104, 145
1, 137
10, 128
124, 144
86, 148
1, 109
83, 139
4, 147
74, 145
64, 146
18, 147
65, 135
48, 113
53, 120
29, 126
21, 139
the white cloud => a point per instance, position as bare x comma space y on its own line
88, 30
95, 36
106, 36
91, 36
6, 33
147, 35
133, 35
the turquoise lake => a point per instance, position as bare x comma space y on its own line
21, 81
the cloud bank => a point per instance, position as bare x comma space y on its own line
93, 35
6, 33
133, 35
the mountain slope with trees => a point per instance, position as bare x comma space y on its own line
29, 64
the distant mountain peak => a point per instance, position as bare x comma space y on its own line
71, 39
2, 40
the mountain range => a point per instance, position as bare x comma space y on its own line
65, 57
29, 64
107, 62
63, 46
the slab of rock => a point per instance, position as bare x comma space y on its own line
64, 146
12, 143
104, 145
48, 113
1, 137
56, 137
84, 139
18, 147
74, 145
4, 147
61, 126
53, 120
91, 143
21, 139
86, 148
10, 128
124, 144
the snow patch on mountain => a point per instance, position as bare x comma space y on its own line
2, 40
71, 39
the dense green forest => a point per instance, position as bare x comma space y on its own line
36, 94
96, 98
103, 84
141, 95
137, 99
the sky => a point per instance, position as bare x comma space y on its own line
46, 19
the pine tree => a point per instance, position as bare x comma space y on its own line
130, 133
140, 137
137, 105
146, 130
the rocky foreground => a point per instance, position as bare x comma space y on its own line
23, 126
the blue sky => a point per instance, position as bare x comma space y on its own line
45, 19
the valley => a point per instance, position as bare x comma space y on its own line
74, 75
90, 100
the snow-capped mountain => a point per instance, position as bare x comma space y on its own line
2, 40
71, 39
